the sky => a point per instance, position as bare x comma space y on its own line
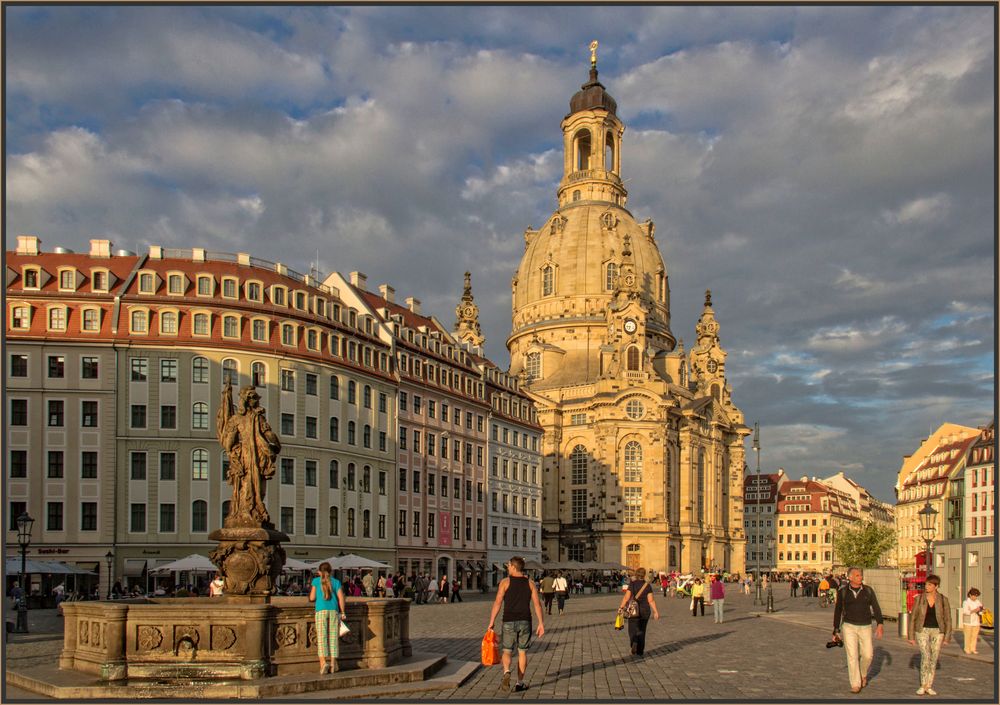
826, 171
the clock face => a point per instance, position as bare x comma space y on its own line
713, 366
630, 326
469, 311
629, 279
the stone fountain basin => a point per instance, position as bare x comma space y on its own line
224, 637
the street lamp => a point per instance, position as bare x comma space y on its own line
928, 529
110, 558
758, 599
770, 579
24, 524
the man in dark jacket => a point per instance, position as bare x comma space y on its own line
856, 607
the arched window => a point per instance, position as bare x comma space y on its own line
287, 334
334, 430
199, 464
366, 437
334, 387
701, 484
199, 370
366, 524
260, 330
352, 392
335, 520
258, 374
350, 476
230, 327
168, 322
21, 317
610, 276
199, 516
352, 433
334, 474
633, 358
633, 462
583, 149
199, 416
367, 397
350, 522
200, 324
533, 365
609, 152
366, 479
548, 280
230, 372
139, 324
578, 465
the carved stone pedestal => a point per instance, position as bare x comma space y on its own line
250, 559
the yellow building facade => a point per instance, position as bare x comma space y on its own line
643, 446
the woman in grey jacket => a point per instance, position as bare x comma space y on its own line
930, 628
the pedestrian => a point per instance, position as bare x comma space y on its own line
971, 609
380, 586
117, 590
697, 597
930, 628
664, 583
717, 592
561, 587
369, 583
517, 594
389, 585
328, 594
443, 589
857, 605
456, 591
216, 587
548, 591
642, 591
795, 586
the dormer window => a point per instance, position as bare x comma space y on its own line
254, 291
287, 334
175, 284
201, 324
147, 283
57, 318
278, 295
336, 313
91, 321
168, 322
20, 317
230, 327
204, 285
300, 300
259, 330
99, 280
320, 307
67, 280
352, 318
31, 278
229, 286
533, 365
139, 321
312, 340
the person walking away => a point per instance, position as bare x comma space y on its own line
443, 590
852, 622
642, 591
929, 628
697, 597
456, 591
369, 583
971, 609
795, 587
548, 591
217, 586
561, 587
390, 584
516, 594
717, 591
380, 586
328, 594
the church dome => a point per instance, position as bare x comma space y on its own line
592, 95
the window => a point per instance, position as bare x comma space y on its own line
334, 521
334, 387
548, 280
56, 412
167, 516
367, 397
199, 416
311, 384
57, 318
54, 516
139, 369
92, 319
533, 366
89, 368
352, 433
168, 416
312, 340
633, 462
350, 522
402, 522
402, 480
137, 518
199, 516
416, 481
366, 524
55, 464
254, 291
88, 516
287, 334
402, 437
381, 482
259, 330
334, 474
430, 525
19, 463
229, 288
311, 427
431, 484
633, 504
288, 424
352, 392
334, 429
168, 322
382, 441
199, 464
140, 321
278, 295
287, 380
350, 476
18, 412
138, 416
204, 285
88, 414
230, 327
310, 527
57, 366
200, 325
258, 374
579, 505
20, 317
610, 276
578, 465
168, 466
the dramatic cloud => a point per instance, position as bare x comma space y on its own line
826, 171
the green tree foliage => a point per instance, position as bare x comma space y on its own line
863, 544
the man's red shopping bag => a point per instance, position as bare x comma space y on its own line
491, 648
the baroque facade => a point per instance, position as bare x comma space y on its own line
643, 445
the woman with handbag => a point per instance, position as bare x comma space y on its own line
930, 628
637, 604
328, 594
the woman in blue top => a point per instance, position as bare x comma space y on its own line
328, 594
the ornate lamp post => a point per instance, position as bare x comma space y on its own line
758, 598
110, 558
928, 530
24, 524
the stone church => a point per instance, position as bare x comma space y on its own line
643, 446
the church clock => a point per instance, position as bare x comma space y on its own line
630, 326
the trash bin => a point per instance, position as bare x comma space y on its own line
904, 623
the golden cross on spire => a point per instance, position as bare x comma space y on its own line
593, 54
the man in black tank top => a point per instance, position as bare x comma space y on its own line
516, 595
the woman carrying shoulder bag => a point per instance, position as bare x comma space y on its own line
328, 594
930, 628
638, 617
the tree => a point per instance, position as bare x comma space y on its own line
863, 545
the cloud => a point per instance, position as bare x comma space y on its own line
920, 210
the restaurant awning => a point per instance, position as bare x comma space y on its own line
13, 567
134, 567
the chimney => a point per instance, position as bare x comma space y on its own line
413, 304
100, 248
27, 245
359, 280
388, 293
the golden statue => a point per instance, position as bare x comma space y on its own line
593, 54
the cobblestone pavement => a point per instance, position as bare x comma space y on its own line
751, 656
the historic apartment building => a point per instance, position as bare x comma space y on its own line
116, 364
760, 519
871, 509
810, 512
643, 445
980, 484
934, 475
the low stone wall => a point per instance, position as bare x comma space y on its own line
224, 637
